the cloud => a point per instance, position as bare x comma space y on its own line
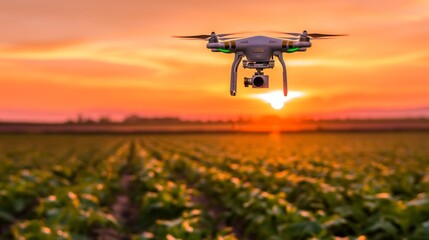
163, 58
365, 113
413, 58
40, 46
75, 72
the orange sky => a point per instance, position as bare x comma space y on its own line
59, 59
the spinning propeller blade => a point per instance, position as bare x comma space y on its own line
294, 39
322, 35
205, 36
312, 35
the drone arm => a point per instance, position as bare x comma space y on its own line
233, 84
280, 57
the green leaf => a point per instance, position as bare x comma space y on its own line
422, 232
382, 225
19, 204
303, 230
6, 216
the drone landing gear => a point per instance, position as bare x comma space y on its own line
279, 55
233, 83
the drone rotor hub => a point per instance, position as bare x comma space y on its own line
304, 39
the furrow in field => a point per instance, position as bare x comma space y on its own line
245, 207
165, 189
74, 200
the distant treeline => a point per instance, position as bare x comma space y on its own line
140, 120
129, 120
268, 124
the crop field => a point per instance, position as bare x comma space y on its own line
215, 186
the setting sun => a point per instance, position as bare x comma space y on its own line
276, 98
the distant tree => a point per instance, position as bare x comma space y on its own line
104, 120
70, 121
80, 118
89, 121
133, 119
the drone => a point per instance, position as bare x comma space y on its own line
259, 52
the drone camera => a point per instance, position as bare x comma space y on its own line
257, 81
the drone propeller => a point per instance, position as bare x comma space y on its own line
312, 35
294, 38
205, 36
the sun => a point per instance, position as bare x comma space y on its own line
277, 99
277, 104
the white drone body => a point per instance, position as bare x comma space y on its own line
259, 52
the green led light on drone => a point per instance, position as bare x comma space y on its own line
291, 50
224, 50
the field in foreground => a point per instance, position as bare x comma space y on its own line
215, 186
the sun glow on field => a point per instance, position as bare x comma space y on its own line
276, 98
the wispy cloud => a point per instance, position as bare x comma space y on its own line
160, 58
414, 58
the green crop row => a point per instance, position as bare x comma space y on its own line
251, 186
352, 205
61, 201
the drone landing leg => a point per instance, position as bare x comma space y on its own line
233, 84
279, 55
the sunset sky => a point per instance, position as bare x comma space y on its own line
112, 58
